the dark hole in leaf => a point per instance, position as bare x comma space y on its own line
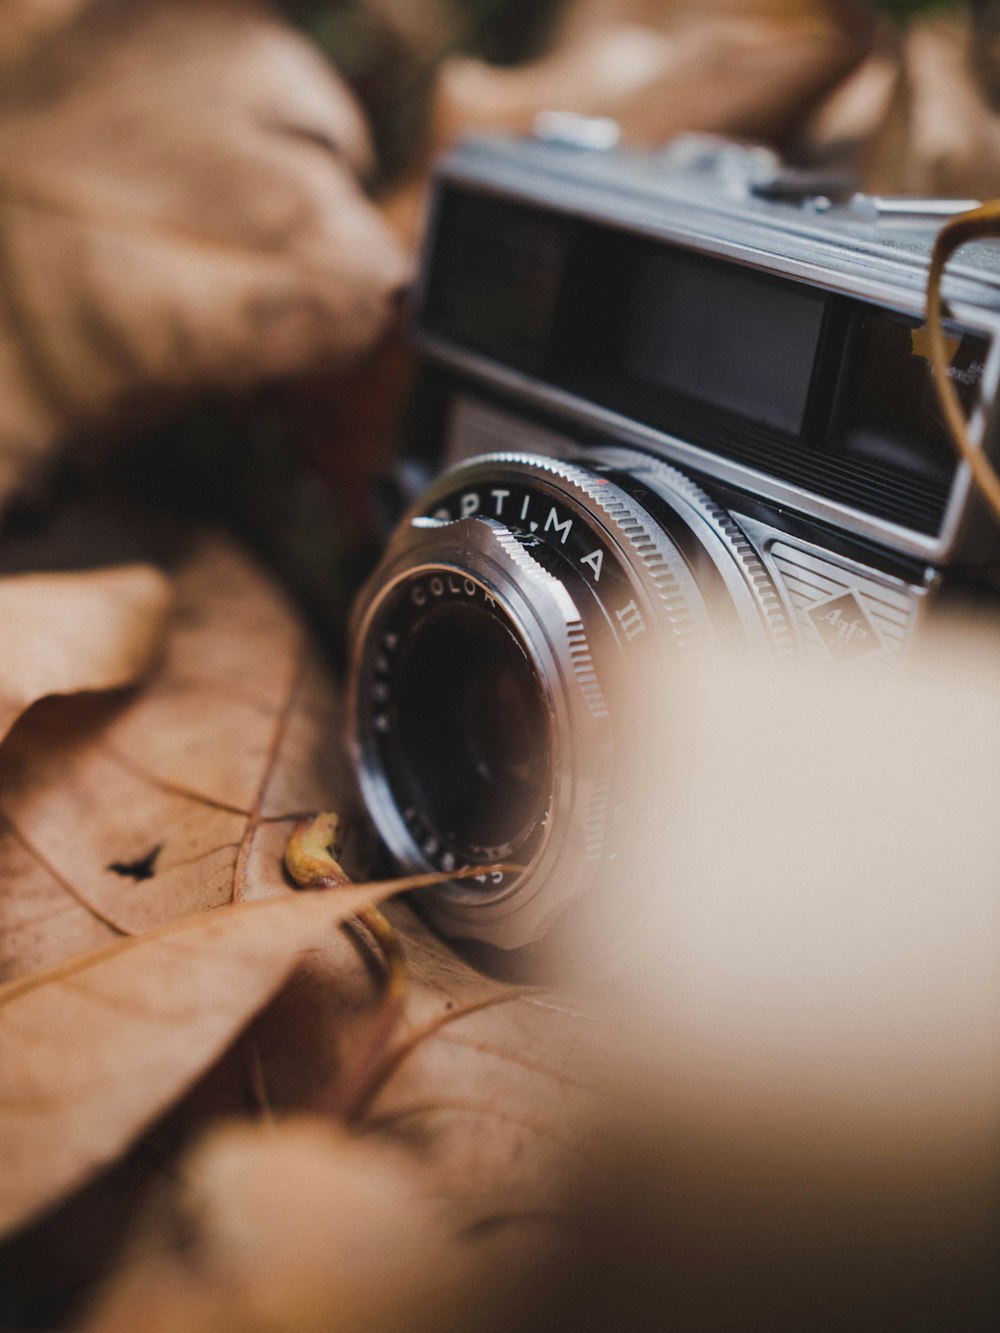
142, 868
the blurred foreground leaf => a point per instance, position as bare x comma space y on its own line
294, 1226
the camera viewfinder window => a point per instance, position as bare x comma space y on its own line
731, 339
497, 273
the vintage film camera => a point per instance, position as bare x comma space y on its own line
666, 394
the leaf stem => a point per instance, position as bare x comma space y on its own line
309, 859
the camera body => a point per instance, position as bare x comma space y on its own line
666, 395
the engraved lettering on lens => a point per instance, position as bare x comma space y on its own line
470, 504
552, 523
595, 559
631, 621
499, 496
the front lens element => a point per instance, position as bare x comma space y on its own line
460, 732
472, 754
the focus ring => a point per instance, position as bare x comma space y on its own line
662, 568
758, 582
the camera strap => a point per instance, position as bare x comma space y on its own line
978, 224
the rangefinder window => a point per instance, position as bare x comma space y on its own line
761, 370
496, 276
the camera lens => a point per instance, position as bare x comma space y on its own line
499, 658
471, 755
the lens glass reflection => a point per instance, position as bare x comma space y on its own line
472, 753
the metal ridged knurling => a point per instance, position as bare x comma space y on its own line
756, 577
593, 819
662, 565
576, 635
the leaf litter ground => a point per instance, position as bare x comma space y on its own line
128, 818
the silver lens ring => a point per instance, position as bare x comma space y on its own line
479, 729
489, 649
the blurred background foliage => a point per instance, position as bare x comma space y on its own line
390, 51
294, 464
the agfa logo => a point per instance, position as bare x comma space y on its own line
844, 627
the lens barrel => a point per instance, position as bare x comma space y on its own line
492, 653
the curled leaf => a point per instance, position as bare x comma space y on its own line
65, 633
119, 815
179, 211
309, 855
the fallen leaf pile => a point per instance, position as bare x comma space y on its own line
657, 69
205, 1120
904, 96
145, 919
238, 1090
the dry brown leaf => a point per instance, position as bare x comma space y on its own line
65, 633
178, 210
919, 116
748, 69
496, 1088
93, 1050
492, 1088
118, 815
